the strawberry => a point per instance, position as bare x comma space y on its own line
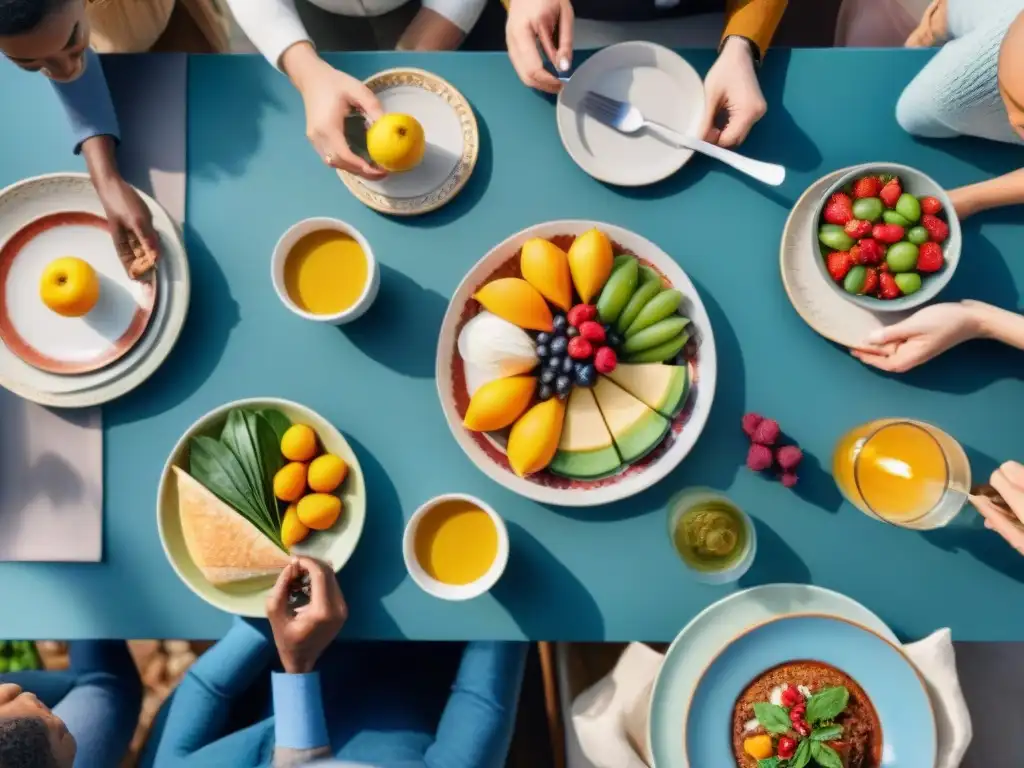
580, 314
592, 331
605, 360
857, 228
929, 257
838, 209
579, 348
870, 281
891, 193
838, 264
855, 255
867, 186
884, 267
871, 251
887, 286
887, 233
938, 230
930, 205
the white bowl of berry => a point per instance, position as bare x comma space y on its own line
888, 236
576, 364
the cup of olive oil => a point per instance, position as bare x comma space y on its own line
715, 538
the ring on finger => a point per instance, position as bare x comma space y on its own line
329, 158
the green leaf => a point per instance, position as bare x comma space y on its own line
770, 762
802, 756
827, 704
278, 421
271, 459
772, 718
215, 466
235, 436
251, 438
826, 733
824, 755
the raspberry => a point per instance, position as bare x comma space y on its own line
750, 423
580, 349
802, 727
789, 479
797, 713
789, 457
787, 747
580, 314
592, 331
767, 432
759, 457
791, 696
605, 360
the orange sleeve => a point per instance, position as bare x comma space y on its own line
754, 19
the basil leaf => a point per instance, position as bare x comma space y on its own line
827, 733
772, 718
769, 762
825, 756
802, 756
278, 421
827, 704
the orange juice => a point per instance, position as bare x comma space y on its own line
456, 542
904, 472
326, 272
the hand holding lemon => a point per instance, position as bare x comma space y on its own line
396, 142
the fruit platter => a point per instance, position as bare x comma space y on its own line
888, 237
576, 364
247, 486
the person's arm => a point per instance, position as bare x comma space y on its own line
476, 727
998, 324
273, 26
300, 730
441, 25
1007, 189
88, 105
755, 20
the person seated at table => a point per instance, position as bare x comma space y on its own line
733, 98
973, 86
931, 331
385, 705
1008, 480
52, 37
83, 717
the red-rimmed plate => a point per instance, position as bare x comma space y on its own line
70, 345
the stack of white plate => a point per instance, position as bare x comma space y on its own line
78, 362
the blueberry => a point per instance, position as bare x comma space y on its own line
563, 385
613, 339
554, 363
543, 338
562, 395
542, 351
586, 375
559, 322
572, 332
558, 345
568, 364
547, 376
545, 392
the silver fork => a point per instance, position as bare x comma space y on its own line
626, 118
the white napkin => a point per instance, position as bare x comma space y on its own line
610, 718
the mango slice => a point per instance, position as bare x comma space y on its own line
534, 437
499, 403
590, 262
545, 266
515, 300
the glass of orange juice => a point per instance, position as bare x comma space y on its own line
903, 472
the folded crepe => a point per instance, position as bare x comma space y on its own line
226, 547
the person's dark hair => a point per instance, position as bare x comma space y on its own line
20, 16
25, 742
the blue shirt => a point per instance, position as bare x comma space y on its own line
87, 102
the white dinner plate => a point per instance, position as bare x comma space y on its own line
660, 83
453, 143
703, 638
30, 199
818, 303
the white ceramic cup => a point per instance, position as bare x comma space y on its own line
284, 246
439, 589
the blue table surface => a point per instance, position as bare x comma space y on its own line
588, 574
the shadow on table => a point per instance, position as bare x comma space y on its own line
537, 586
816, 485
776, 561
401, 328
212, 313
376, 568
991, 158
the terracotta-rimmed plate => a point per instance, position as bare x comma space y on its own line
818, 303
334, 546
453, 144
487, 453
701, 640
31, 199
893, 686
660, 83
68, 345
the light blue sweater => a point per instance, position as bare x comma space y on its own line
88, 105
957, 92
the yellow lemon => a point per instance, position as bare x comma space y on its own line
319, 511
290, 481
298, 443
327, 472
292, 529
69, 287
396, 142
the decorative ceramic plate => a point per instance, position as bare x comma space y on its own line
453, 144
40, 336
334, 546
697, 644
42, 196
818, 303
660, 83
891, 710
683, 430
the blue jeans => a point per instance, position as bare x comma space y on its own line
98, 699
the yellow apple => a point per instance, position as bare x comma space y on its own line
396, 142
69, 287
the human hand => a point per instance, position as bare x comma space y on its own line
329, 96
131, 225
731, 89
926, 334
301, 634
533, 20
932, 30
430, 31
1008, 480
